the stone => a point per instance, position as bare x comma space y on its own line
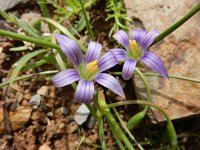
82, 114
35, 100
17, 118
64, 111
44, 147
8, 4
44, 91
179, 52
61, 111
27, 96
91, 123
50, 114
24, 102
72, 127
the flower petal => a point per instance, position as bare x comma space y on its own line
138, 35
111, 83
93, 51
107, 61
155, 63
149, 38
144, 38
119, 53
70, 48
128, 68
84, 92
122, 37
65, 77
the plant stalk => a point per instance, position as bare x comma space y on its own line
28, 38
87, 21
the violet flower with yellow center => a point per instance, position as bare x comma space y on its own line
136, 49
87, 69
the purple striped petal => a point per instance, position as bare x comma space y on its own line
111, 83
144, 38
128, 68
122, 37
93, 51
107, 61
138, 35
149, 38
84, 92
70, 48
119, 53
65, 77
155, 63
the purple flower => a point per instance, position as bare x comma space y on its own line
87, 69
136, 49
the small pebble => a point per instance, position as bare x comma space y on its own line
82, 114
50, 114
44, 147
27, 96
91, 122
44, 91
72, 127
64, 111
16, 87
35, 100
19, 97
61, 111
24, 103
61, 125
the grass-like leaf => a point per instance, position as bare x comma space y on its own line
30, 30
20, 63
65, 31
29, 76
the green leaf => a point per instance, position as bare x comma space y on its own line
20, 63
29, 76
35, 64
171, 134
116, 12
21, 24
37, 41
65, 31
20, 48
50, 58
80, 24
136, 119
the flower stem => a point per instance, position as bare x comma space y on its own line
101, 133
117, 131
172, 76
170, 128
28, 38
127, 130
87, 21
121, 147
137, 118
92, 111
147, 86
176, 24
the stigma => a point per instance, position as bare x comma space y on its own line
133, 45
92, 67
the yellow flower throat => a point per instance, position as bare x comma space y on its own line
92, 66
133, 45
